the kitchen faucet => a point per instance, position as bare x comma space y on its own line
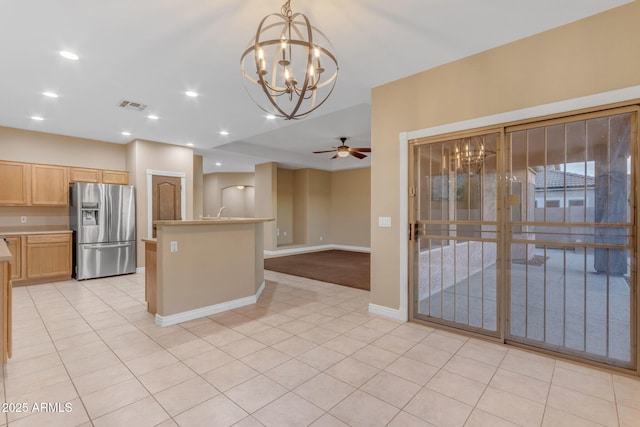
220, 212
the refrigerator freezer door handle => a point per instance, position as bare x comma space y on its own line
117, 245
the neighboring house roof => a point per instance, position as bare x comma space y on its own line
556, 180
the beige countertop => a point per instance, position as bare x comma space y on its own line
5, 255
213, 221
18, 231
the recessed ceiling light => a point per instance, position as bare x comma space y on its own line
223, 132
50, 94
69, 55
271, 117
125, 133
191, 93
38, 118
218, 164
189, 144
152, 117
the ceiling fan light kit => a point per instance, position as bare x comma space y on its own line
345, 151
289, 68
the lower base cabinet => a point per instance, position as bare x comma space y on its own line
5, 311
41, 258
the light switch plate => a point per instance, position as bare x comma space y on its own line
384, 221
174, 246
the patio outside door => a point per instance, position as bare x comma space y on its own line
527, 234
572, 278
455, 227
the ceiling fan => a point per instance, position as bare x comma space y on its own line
344, 150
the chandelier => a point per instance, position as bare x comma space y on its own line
289, 68
470, 153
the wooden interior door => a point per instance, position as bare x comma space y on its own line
166, 198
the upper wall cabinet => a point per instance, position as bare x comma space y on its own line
115, 177
98, 175
31, 184
84, 175
49, 185
14, 183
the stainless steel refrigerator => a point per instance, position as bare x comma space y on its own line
103, 220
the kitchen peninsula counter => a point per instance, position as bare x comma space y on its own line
203, 267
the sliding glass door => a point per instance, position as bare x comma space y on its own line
456, 230
572, 256
528, 234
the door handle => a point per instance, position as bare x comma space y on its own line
118, 245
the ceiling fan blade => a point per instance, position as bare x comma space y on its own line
334, 157
362, 150
325, 151
356, 154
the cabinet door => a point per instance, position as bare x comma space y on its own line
14, 183
49, 185
115, 177
84, 175
14, 243
48, 255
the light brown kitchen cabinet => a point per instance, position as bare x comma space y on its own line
5, 302
49, 185
115, 177
14, 183
5, 306
48, 257
14, 243
84, 175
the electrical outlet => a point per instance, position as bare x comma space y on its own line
321, 238
174, 246
384, 221
285, 234
23, 220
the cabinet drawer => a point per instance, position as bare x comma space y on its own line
48, 238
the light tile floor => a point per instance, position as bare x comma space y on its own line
308, 353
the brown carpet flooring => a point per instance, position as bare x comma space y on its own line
340, 267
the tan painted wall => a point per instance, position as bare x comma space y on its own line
144, 155
351, 207
198, 187
300, 205
266, 196
319, 210
284, 231
38, 147
586, 57
215, 182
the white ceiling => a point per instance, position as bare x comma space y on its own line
152, 51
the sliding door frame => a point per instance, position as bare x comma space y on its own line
504, 243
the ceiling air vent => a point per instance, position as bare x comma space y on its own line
130, 105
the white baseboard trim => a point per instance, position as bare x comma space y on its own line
140, 270
317, 248
391, 313
352, 248
197, 313
260, 289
